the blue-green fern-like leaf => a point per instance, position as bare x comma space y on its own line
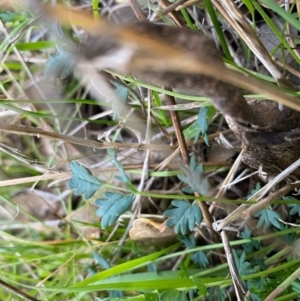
185, 217
101, 260
200, 258
258, 264
115, 295
243, 266
112, 206
217, 294
296, 286
122, 93
257, 285
189, 241
200, 126
194, 178
268, 217
295, 208
254, 190
251, 246
60, 65
289, 238
83, 181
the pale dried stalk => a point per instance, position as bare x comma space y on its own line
239, 287
243, 28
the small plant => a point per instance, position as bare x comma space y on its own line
55, 101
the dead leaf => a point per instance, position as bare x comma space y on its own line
147, 230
